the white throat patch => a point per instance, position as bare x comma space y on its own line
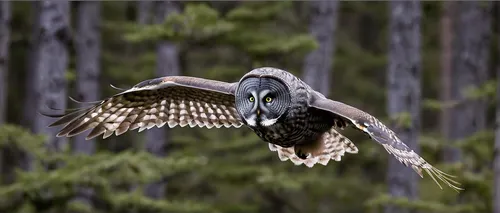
269, 122
251, 121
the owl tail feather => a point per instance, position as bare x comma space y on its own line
331, 145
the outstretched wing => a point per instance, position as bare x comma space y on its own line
383, 135
172, 100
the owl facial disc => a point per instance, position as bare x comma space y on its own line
261, 101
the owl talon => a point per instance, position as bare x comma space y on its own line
301, 155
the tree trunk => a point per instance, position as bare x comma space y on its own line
446, 49
496, 160
144, 12
5, 16
49, 61
470, 55
88, 68
167, 63
496, 151
317, 66
30, 98
404, 93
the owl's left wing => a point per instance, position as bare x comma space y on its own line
383, 135
172, 100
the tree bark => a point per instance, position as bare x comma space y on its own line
446, 50
470, 55
167, 63
144, 12
496, 159
404, 93
318, 64
88, 68
48, 64
5, 16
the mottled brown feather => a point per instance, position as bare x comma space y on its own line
330, 146
173, 100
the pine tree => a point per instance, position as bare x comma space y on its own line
318, 63
404, 94
88, 69
5, 17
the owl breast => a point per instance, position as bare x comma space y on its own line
301, 125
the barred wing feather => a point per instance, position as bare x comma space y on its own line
384, 136
173, 100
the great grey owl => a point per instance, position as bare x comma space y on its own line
297, 122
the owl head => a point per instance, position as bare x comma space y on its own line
262, 99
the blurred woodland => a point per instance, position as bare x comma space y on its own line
427, 69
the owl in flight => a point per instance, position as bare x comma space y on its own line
297, 122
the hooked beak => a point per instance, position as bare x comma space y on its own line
258, 111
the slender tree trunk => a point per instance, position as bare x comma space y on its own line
30, 98
167, 63
143, 17
318, 64
470, 55
5, 16
88, 68
496, 160
129, 55
88, 64
404, 93
49, 61
167, 60
317, 67
446, 45
144, 9
496, 157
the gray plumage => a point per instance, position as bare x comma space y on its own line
299, 123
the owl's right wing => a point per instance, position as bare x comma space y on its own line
172, 100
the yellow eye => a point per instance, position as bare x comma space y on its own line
268, 99
252, 99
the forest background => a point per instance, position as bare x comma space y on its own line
427, 69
